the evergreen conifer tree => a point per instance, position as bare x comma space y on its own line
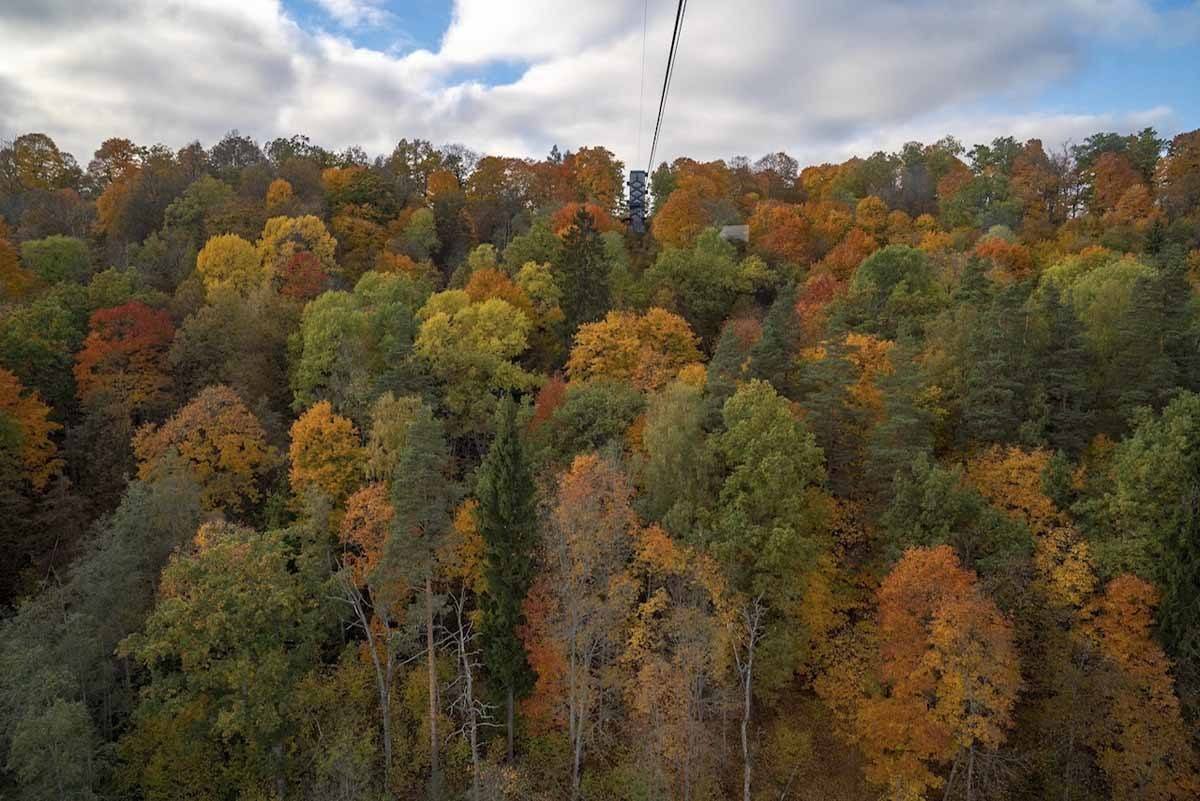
508, 524
584, 270
772, 357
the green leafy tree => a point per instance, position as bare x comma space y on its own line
351, 346
1149, 524
236, 627
932, 506
471, 348
767, 533
677, 477
701, 282
57, 258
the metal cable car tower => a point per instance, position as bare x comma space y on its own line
637, 178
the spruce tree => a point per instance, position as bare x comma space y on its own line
772, 357
1144, 372
906, 430
584, 270
974, 288
726, 368
1063, 367
1179, 612
508, 524
834, 420
995, 375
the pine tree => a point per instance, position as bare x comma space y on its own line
974, 288
726, 368
423, 496
772, 357
1179, 612
906, 430
1063, 366
1181, 335
1144, 372
996, 386
508, 524
835, 421
584, 270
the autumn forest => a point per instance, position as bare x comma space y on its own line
334, 476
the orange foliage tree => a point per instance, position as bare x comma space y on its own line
576, 612
491, 283
564, 218
15, 280
1142, 743
948, 677
30, 420
843, 259
326, 453
220, 441
1012, 260
781, 232
1112, 176
680, 219
124, 356
675, 654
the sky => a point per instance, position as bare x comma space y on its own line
820, 79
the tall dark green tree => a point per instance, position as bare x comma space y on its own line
508, 524
584, 270
423, 494
1179, 612
1063, 368
906, 431
996, 372
725, 369
837, 423
1144, 372
773, 356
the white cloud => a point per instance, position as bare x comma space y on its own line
356, 13
756, 76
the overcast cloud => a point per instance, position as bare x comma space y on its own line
820, 79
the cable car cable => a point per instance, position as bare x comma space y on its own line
662, 103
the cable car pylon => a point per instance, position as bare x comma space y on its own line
637, 178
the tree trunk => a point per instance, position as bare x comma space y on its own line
509, 722
753, 614
280, 774
383, 671
746, 684
435, 789
464, 656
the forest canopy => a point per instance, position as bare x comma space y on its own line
422, 476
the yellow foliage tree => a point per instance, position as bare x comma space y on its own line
229, 262
646, 350
325, 453
283, 237
279, 195
1011, 479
